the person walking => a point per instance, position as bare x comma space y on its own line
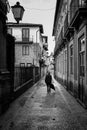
48, 81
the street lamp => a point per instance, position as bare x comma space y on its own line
17, 11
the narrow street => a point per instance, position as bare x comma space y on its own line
37, 110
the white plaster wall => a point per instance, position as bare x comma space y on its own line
32, 57
33, 33
17, 33
19, 58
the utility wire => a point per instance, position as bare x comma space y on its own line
40, 9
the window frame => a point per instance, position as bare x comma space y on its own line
22, 64
26, 37
25, 50
81, 56
71, 59
28, 64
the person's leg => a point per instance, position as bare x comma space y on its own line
49, 89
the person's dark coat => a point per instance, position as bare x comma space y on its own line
48, 79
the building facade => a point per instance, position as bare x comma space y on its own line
27, 52
28, 43
45, 53
4, 72
70, 54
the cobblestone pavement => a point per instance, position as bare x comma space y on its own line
37, 110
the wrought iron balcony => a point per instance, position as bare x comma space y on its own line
60, 37
66, 24
59, 41
78, 9
68, 30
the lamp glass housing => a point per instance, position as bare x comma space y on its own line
17, 11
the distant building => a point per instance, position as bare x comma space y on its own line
70, 54
27, 53
45, 52
50, 62
45, 42
28, 43
45, 47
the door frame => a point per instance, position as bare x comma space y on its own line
81, 34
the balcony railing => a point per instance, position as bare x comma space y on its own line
23, 75
59, 41
60, 36
75, 6
66, 23
26, 41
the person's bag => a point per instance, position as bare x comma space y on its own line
52, 86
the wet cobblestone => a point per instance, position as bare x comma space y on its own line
37, 110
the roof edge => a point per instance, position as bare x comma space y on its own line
56, 13
12, 24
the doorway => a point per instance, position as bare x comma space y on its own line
81, 66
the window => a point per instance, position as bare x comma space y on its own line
25, 50
25, 34
71, 59
65, 61
82, 55
22, 64
28, 64
82, 2
10, 30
